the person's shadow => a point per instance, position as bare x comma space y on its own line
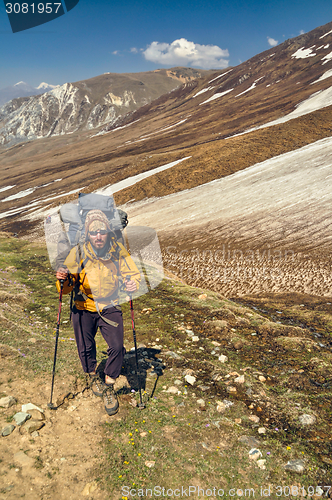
138, 379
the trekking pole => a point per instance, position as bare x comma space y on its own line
50, 404
141, 404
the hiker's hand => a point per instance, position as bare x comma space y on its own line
62, 273
131, 286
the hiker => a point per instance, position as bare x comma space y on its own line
96, 272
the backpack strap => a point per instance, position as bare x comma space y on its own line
77, 286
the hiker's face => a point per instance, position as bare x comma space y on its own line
98, 239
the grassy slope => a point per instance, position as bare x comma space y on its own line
190, 444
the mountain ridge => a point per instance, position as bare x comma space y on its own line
86, 104
23, 89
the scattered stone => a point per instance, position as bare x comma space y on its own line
204, 387
178, 382
249, 441
35, 434
150, 463
7, 401
307, 419
255, 454
22, 459
195, 338
208, 447
89, 488
203, 296
215, 343
190, 379
8, 429
173, 390
223, 358
47, 308
64, 398
36, 415
216, 423
32, 340
200, 402
220, 407
239, 380
173, 355
143, 434
238, 420
261, 378
21, 417
189, 332
295, 466
188, 371
230, 388
254, 418
261, 464
261, 430
32, 426
31, 406
238, 345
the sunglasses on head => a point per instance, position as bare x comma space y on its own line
102, 232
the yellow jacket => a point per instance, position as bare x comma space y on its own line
99, 277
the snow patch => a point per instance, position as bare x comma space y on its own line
130, 181
202, 91
325, 34
21, 194
303, 53
250, 88
6, 188
327, 74
327, 58
318, 100
216, 96
281, 186
102, 132
31, 206
216, 78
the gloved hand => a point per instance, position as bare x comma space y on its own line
62, 273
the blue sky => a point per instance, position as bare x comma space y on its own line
100, 36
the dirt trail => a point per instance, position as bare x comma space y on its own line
62, 461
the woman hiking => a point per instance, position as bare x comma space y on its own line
96, 272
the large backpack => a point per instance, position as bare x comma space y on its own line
75, 215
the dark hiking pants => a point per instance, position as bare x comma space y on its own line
85, 324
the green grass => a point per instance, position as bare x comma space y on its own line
185, 442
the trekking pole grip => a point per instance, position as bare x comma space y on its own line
128, 278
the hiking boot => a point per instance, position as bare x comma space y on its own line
97, 385
110, 400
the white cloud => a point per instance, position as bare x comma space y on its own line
272, 41
134, 50
184, 53
115, 52
302, 32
